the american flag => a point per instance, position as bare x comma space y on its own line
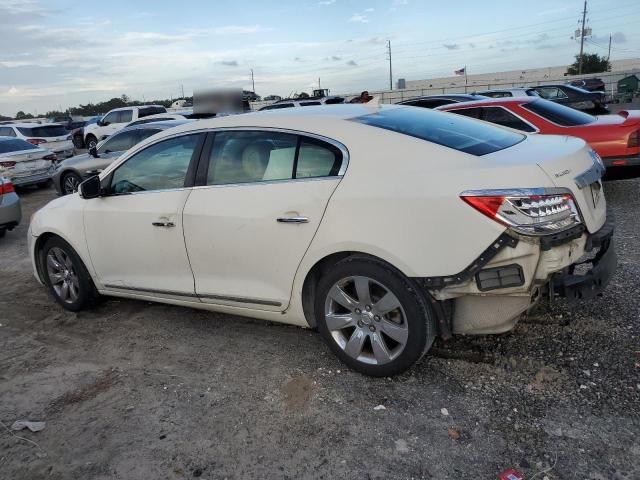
460, 72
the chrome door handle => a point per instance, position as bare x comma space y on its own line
163, 224
293, 220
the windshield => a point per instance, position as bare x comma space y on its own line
46, 131
15, 145
453, 131
559, 114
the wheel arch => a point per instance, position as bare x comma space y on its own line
316, 271
39, 244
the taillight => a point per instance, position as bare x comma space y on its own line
6, 187
7, 164
52, 157
530, 212
634, 140
36, 141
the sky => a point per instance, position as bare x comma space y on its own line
60, 53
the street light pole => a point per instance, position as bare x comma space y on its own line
584, 16
253, 83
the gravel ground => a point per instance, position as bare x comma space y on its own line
133, 390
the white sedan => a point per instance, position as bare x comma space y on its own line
382, 226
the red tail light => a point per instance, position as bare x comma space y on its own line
634, 140
52, 157
7, 164
530, 212
36, 141
6, 187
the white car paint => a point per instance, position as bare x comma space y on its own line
397, 199
114, 120
61, 144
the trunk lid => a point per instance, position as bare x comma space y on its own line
569, 163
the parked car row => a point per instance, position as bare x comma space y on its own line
297, 215
52, 136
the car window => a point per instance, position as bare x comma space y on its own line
120, 142
317, 159
241, 157
125, 116
277, 106
308, 104
559, 114
160, 166
146, 111
430, 103
111, 118
502, 116
452, 131
475, 112
497, 94
15, 145
551, 93
45, 131
7, 132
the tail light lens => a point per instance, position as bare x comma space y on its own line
52, 157
529, 212
6, 187
7, 164
634, 140
36, 141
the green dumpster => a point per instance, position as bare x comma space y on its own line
628, 84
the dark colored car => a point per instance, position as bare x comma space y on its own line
574, 97
77, 133
590, 84
433, 101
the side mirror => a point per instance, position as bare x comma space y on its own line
99, 123
93, 151
90, 188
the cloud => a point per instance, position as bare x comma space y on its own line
352, 63
327, 2
451, 46
12, 91
227, 29
358, 18
228, 63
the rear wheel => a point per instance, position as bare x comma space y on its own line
90, 141
70, 182
66, 276
372, 317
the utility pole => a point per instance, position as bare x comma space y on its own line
182, 88
319, 87
390, 71
609, 55
584, 17
253, 83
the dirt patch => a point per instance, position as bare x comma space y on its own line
297, 393
102, 383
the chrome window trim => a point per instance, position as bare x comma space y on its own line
343, 149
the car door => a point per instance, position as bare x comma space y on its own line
554, 94
134, 231
261, 198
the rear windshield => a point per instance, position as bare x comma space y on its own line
15, 145
559, 114
453, 131
47, 131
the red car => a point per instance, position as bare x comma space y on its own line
616, 138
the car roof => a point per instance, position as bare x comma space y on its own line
135, 106
441, 96
490, 101
508, 89
31, 124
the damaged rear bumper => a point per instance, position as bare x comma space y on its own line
574, 286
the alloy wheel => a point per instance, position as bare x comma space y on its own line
63, 275
70, 184
366, 320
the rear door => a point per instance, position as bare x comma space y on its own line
262, 196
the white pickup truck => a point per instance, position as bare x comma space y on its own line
116, 119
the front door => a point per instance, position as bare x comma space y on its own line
135, 232
250, 223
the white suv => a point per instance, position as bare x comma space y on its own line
51, 136
382, 226
115, 120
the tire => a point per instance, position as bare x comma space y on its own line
90, 141
380, 325
59, 261
69, 183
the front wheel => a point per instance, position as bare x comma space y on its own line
372, 317
90, 141
70, 182
66, 276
